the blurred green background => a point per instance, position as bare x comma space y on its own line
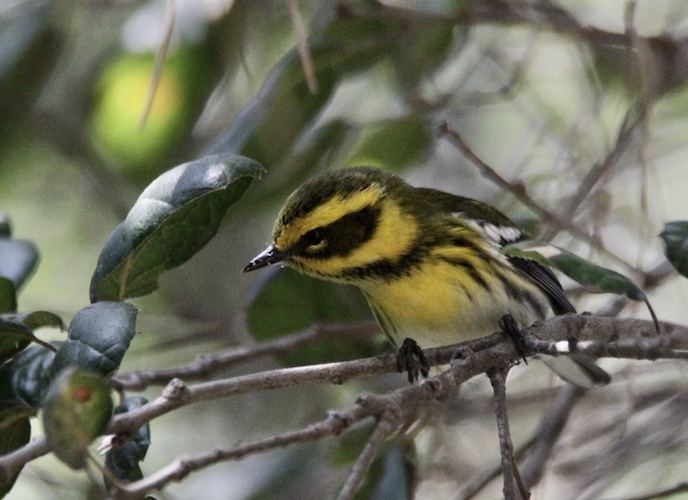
541, 91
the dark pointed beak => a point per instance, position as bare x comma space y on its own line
266, 258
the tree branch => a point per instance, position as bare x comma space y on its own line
207, 365
626, 338
510, 474
384, 427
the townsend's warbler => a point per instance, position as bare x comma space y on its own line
428, 262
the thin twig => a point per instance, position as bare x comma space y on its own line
483, 480
167, 25
332, 425
409, 398
510, 474
302, 46
383, 428
587, 185
520, 192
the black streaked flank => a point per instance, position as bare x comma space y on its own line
468, 267
522, 295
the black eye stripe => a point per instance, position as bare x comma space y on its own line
342, 236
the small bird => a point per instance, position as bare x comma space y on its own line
428, 262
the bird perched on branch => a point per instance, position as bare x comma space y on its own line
428, 262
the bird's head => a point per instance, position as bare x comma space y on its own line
341, 224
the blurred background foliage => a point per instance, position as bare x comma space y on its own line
581, 103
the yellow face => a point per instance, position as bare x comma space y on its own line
349, 230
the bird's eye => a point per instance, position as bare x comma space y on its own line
314, 236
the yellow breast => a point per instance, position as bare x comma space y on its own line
439, 305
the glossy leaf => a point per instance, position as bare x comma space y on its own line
285, 301
580, 270
15, 432
99, 336
39, 319
124, 462
18, 259
175, 216
76, 410
14, 338
26, 377
675, 237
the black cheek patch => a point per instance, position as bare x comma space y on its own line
344, 235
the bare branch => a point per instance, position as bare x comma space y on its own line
333, 425
627, 338
207, 365
384, 426
510, 474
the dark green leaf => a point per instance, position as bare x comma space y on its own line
675, 236
259, 131
423, 51
39, 319
175, 216
76, 410
15, 432
18, 258
391, 144
580, 270
8, 296
287, 302
25, 378
124, 461
99, 336
14, 338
